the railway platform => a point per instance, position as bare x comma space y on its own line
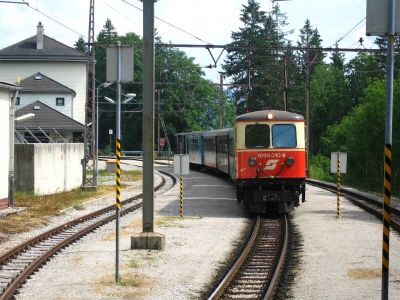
338, 259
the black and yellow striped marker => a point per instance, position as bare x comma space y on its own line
338, 189
386, 216
181, 196
118, 174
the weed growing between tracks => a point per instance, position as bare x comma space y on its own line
41, 208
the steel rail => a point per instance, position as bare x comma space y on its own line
366, 202
279, 267
231, 276
234, 269
34, 265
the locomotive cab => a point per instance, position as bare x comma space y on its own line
271, 160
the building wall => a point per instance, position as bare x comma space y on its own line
52, 168
49, 100
5, 146
70, 74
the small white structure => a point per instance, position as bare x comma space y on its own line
7, 91
48, 168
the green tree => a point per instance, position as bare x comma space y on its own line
331, 99
80, 45
361, 70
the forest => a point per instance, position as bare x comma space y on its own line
266, 70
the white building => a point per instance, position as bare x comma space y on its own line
58, 62
7, 91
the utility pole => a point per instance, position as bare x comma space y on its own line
249, 82
308, 121
391, 26
90, 157
158, 119
285, 90
221, 87
148, 239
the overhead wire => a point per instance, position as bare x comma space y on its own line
348, 32
168, 23
54, 20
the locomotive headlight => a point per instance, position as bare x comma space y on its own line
290, 161
252, 161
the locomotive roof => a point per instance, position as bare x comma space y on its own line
277, 115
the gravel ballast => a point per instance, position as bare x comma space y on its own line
196, 247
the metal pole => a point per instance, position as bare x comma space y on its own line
338, 186
388, 151
285, 91
148, 115
221, 88
158, 120
308, 121
180, 186
11, 155
97, 136
118, 157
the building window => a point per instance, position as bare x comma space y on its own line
18, 102
60, 101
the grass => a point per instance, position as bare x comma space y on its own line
41, 208
130, 175
171, 221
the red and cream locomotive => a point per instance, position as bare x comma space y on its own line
264, 154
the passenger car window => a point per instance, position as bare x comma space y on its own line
284, 136
257, 136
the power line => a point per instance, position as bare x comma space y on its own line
54, 20
172, 25
348, 32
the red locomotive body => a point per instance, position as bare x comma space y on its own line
270, 160
264, 154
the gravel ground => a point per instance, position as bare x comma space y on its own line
342, 258
71, 213
196, 246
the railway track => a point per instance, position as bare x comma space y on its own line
369, 203
256, 273
18, 264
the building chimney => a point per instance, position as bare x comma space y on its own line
39, 36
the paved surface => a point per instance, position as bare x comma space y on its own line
342, 258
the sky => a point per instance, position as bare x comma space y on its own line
200, 21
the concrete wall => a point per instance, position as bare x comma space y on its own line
24, 167
48, 168
5, 148
70, 74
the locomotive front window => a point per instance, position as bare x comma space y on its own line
284, 136
257, 136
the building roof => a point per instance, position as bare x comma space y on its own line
41, 83
46, 118
52, 51
9, 86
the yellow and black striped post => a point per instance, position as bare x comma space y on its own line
117, 204
118, 174
181, 196
338, 187
386, 217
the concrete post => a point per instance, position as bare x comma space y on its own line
148, 239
